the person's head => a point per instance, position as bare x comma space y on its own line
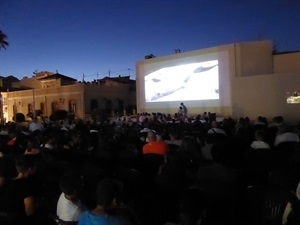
260, 135
71, 184
181, 103
151, 135
109, 193
25, 164
173, 133
214, 124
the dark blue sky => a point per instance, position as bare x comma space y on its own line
95, 36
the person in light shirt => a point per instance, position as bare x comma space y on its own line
35, 125
286, 134
69, 206
260, 143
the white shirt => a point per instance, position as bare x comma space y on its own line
176, 142
260, 145
286, 137
216, 130
67, 210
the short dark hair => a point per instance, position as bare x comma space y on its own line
70, 183
107, 190
24, 162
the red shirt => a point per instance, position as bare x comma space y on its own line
156, 147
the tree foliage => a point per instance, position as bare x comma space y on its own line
3, 42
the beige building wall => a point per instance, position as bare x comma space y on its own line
253, 58
46, 100
287, 63
266, 95
4, 106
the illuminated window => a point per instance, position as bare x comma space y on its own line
293, 97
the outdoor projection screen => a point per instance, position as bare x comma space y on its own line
198, 78
182, 82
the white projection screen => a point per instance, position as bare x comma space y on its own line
200, 79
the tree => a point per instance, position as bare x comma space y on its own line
3, 42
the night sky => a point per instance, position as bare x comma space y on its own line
97, 36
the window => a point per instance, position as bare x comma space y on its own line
120, 105
93, 104
42, 106
29, 109
54, 107
72, 106
108, 105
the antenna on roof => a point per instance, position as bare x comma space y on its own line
128, 71
83, 77
108, 73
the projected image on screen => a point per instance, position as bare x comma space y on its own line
195, 81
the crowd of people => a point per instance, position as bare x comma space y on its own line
153, 169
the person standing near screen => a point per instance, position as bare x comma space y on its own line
180, 112
184, 109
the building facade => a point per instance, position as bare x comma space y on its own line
45, 93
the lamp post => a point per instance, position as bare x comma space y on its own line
33, 102
1, 108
